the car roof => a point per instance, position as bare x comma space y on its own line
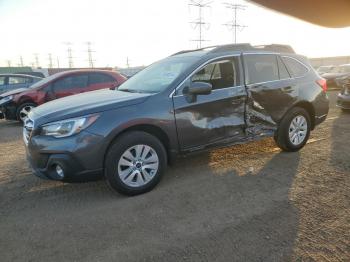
23, 75
76, 71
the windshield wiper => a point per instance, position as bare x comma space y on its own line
128, 90
135, 91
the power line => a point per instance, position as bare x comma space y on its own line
90, 51
233, 25
199, 22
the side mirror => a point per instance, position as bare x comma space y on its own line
113, 86
196, 88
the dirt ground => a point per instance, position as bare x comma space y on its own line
245, 203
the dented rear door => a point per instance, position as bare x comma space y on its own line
271, 92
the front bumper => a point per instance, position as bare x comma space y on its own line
343, 101
79, 157
8, 111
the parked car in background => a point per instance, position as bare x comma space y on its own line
325, 69
337, 72
343, 100
16, 104
191, 101
9, 82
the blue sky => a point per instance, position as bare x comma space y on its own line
144, 31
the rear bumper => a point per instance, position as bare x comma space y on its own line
320, 119
343, 101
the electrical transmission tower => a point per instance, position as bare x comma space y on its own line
36, 57
50, 60
8, 63
199, 22
69, 54
127, 62
233, 25
21, 61
58, 62
90, 51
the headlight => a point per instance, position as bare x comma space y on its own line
6, 99
68, 127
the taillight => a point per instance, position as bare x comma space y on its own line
322, 83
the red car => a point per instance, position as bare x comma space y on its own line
16, 104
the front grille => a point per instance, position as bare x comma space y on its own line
27, 130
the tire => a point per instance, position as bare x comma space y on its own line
22, 108
125, 172
288, 140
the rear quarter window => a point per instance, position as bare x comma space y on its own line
296, 68
100, 78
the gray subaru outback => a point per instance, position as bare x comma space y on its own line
191, 101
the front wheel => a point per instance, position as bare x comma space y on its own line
294, 130
23, 111
135, 163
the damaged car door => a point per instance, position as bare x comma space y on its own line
206, 120
271, 91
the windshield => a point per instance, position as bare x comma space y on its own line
344, 69
158, 76
324, 69
43, 81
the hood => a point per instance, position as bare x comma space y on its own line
14, 92
332, 75
85, 104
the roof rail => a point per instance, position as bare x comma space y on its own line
232, 47
276, 48
243, 47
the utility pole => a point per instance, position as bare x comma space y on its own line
233, 25
36, 57
199, 22
50, 60
90, 51
127, 62
69, 54
21, 61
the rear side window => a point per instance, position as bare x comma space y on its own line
261, 68
2, 80
99, 78
71, 82
220, 74
296, 68
18, 80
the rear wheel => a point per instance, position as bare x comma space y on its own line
135, 163
23, 111
294, 130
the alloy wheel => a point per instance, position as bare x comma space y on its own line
23, 114
138, 165
298, 130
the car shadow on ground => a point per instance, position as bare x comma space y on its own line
228, 203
